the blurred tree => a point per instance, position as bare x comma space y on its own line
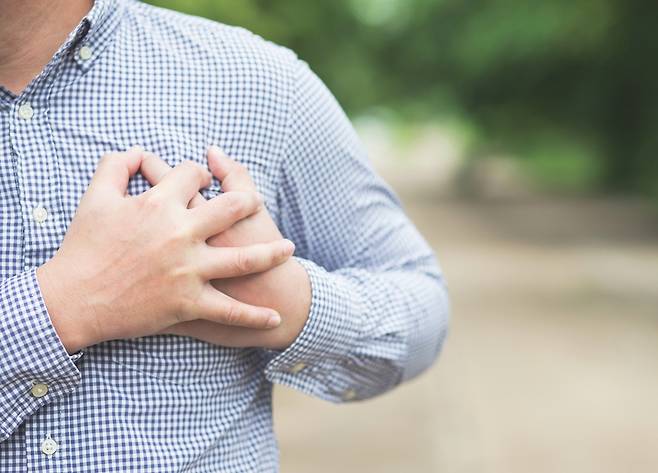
557, 81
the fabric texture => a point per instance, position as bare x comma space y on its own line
176, 84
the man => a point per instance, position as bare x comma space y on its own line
142, 324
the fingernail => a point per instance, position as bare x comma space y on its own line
289, 246
136, 148
274, 321
260, 197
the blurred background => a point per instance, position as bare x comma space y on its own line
523, 139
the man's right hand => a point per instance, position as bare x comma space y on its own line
134, 266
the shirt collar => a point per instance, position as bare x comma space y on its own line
83, 46
95, 32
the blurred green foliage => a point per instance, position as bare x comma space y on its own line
570, 86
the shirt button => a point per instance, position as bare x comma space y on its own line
349, 395
49, 446
298, 368
25, 111
39, 214
39, 389
85, 53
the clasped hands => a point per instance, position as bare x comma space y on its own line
169, 262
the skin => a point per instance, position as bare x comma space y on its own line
286, 288
151, 265
31, 31
166, 261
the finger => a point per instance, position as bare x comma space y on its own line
183, 182
218, 307
197, 201
222, 212
218, 334
154, 169
233, 175
114, 170
232, 262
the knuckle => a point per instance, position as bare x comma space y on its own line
271, 253
181, 308
244, 261
194, 167
255, 200
184, 293
232, 315
185, 308
182, 234
281, 253
190, 167
150, 160
187, 164
154, 201
234, 205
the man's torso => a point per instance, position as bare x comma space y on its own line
173, 85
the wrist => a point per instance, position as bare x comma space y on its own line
67, 313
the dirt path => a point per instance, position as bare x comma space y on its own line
552, 360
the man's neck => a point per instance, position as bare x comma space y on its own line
31, 31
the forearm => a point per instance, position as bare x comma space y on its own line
379, 309
368, 330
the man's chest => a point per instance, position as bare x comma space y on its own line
50, 150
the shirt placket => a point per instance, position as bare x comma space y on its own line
44, 226
38, 179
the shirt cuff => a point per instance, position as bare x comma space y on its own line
331, 332
35, 368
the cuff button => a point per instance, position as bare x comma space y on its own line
39, 389
298, 368
349, 395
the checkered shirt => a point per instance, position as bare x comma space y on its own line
135, 74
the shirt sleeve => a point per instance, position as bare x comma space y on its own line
379, 307
31, 354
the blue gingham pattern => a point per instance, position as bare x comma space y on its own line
176, 84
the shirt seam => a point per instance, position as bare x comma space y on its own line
287, 138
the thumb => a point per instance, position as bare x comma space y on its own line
114, 170
232, 175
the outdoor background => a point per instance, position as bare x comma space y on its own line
522, 137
